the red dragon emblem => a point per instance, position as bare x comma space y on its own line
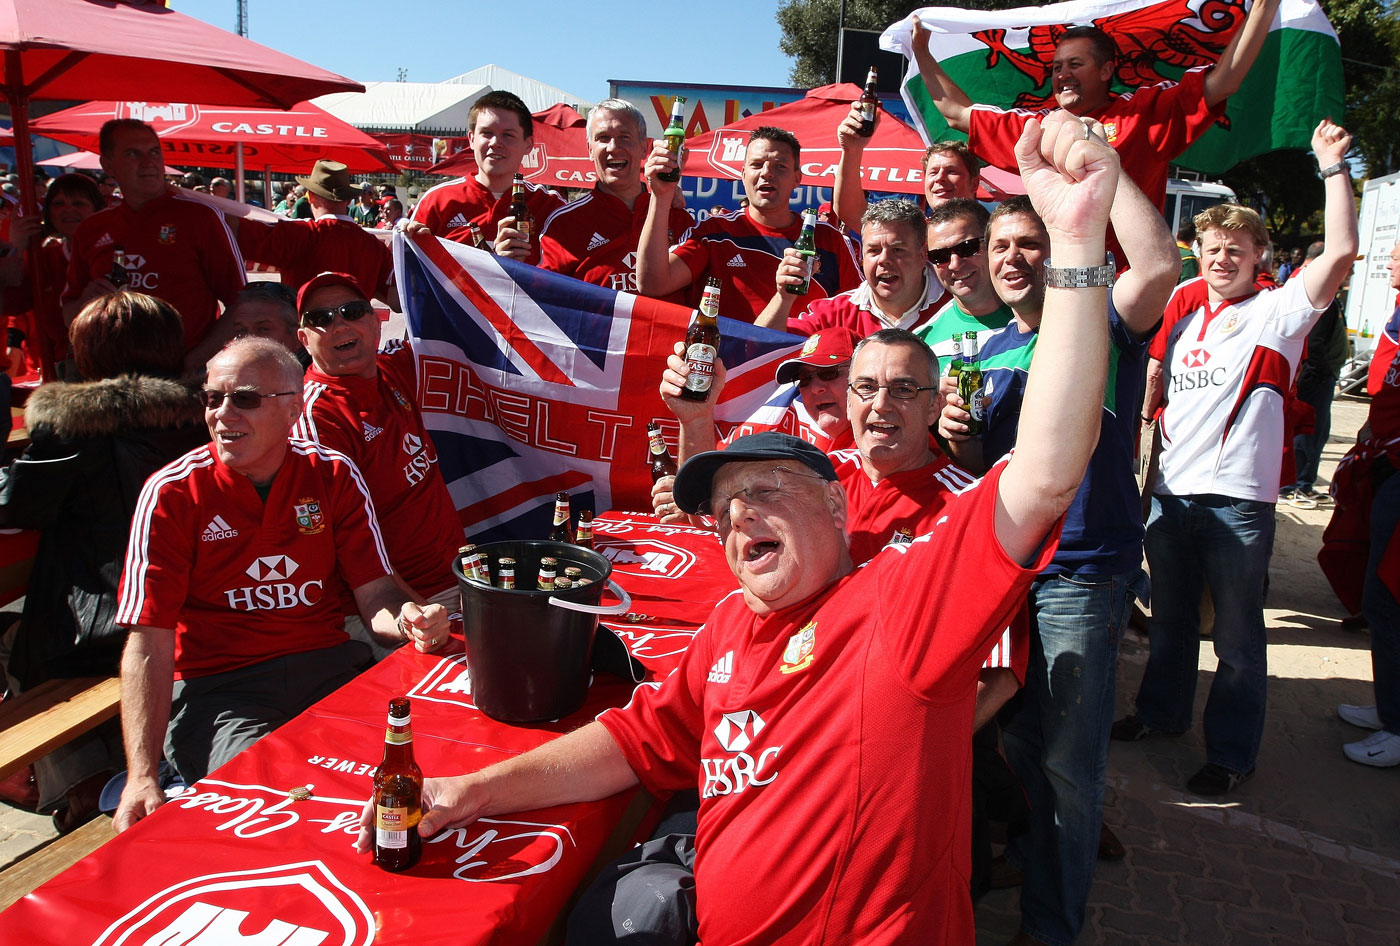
1180, 33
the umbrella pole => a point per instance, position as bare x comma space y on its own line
238, 172
267, 187
19, 119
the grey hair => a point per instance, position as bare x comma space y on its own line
899, 336
619, 105
897, 210
251, 349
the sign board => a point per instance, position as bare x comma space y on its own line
1370, 300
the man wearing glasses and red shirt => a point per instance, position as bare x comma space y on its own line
245, 556
364, 402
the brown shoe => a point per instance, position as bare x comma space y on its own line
1110, 848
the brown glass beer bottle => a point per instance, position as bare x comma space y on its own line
398, 795
702, 345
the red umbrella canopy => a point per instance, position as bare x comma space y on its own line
76, 49
559, 158
288, 141
893, 159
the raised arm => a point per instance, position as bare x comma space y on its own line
1323, 276
848, 196
659, 271
948, 97
1224, 78
148, 669
1070, 175
1153, 262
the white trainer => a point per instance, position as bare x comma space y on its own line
1381, 749
1364, 716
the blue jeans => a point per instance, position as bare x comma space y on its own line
1058, 744
1307, 448
1381, 609
1226, 543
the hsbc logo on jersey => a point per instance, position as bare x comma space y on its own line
1197, 378
626, 281
422, 459
735, 773
274, 592
300, 904
1195, 358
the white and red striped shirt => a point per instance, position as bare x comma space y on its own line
242, 580
1226, 370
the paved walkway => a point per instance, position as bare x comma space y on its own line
1307, 852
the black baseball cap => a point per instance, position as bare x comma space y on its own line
696, 477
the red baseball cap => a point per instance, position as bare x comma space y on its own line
826, 349
322, 280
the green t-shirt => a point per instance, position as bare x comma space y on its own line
953, 319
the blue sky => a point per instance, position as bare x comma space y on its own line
575, 46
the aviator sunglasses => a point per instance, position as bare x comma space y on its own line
826, 375
351, 311
243, 400
966, 248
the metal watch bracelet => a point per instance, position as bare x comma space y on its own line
1080, 277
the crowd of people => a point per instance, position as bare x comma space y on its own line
932, 580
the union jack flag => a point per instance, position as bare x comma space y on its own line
533, 383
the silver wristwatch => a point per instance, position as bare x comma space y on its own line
1080, 277
1338, 168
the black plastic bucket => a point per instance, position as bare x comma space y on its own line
529, 652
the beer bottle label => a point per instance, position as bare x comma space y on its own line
398, 738
700, 359
976, 408
867, 111
391, 827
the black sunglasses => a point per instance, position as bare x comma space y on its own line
825, 374
351, 311
243, 400
966, 248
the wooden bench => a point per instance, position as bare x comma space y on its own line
53, 714
53, 859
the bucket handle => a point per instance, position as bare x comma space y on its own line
621, 607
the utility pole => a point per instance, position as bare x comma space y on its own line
241, 27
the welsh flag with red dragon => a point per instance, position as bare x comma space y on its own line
1003, 58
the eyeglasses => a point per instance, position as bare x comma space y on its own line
866, 390
243, 400
764, 490
351, 311
826, 375
941, 256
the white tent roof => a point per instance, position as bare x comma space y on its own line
433, 107
536, 95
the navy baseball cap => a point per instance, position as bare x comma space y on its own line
696, 477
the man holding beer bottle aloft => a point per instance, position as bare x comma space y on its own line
595, 237
744, 248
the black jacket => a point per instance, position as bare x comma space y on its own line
92, 445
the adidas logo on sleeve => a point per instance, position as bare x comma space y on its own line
217, 529
737, 262
459, 220
723, 669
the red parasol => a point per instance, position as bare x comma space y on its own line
893, 159
288, 141
75, 49
559, 159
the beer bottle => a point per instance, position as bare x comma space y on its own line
970, 385
584, 538
702, 345
561, 532
505, 573
549, 567
573, 574
675, 137
398, 795
956, 364
119, 277
658, 457
563, 584
479, 239
869, 105
471, 561
806, 245
518, 208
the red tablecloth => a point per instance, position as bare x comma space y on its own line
235, 857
